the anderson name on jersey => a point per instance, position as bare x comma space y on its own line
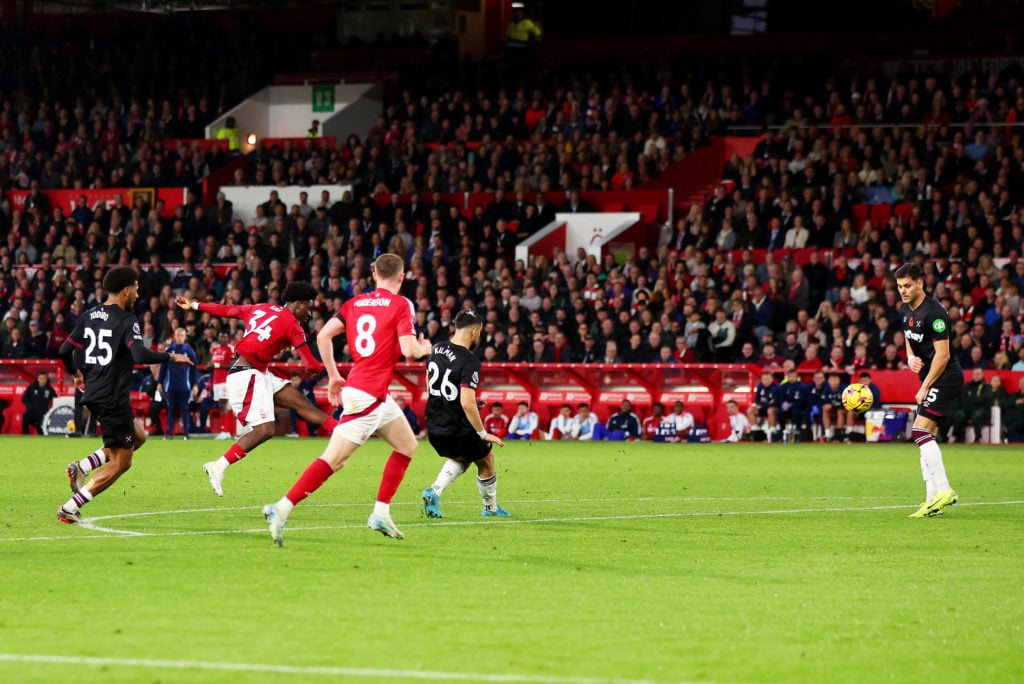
373, 323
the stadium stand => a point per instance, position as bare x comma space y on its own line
838, 181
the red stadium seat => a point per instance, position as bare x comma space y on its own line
880, 214
860, 215
903, 210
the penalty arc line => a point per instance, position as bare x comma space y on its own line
321, 670
111, 533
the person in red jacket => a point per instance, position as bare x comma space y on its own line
496, 422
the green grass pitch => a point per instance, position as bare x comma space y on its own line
623, 562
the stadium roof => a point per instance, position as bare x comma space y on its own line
171, 6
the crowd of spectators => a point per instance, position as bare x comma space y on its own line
89, 109
948, 148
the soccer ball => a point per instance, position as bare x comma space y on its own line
857, 398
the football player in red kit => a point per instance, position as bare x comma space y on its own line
378, 327
221, 357
253, 391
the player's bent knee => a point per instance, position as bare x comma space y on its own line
263, 432
121, 465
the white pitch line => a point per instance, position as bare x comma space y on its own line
321, 670
417, 504
120, 534
90, 523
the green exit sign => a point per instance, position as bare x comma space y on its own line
323, 98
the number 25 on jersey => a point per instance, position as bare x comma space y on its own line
98, 352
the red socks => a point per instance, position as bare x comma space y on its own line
394, 472
315, 474
234, 454
329, 425
227, 422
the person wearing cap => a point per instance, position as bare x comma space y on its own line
38, 340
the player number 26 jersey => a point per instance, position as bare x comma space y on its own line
450, 368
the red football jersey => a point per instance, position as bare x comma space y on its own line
496, 424
220, 359
268, 330
373, 323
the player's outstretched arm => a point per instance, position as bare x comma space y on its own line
222, 310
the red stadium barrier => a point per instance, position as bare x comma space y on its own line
326, 142
703, 388
65, 199
205, 144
